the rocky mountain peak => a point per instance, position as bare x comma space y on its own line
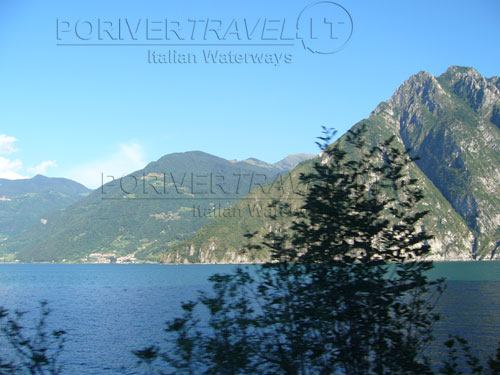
422, 92
422, 85
480, 93
449, 122
462, 71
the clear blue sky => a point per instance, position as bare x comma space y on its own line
79, 111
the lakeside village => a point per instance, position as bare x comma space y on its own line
94, 258
212, 211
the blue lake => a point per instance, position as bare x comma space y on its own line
110, 310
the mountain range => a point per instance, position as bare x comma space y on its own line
140, 214
285, 164
452, 123
26, 203
194, 207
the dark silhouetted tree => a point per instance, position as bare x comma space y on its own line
33, 351
345, 290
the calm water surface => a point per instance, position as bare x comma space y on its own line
109, 310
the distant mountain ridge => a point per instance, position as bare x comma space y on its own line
452, 123
292, 161
285, 164
139, 215
39, 184
27, 202
195, 207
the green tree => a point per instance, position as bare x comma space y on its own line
345, 290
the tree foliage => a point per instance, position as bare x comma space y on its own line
345, 290
33, 351
460, 359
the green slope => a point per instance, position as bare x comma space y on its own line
26, 203
195, 207
451, 123
146, 211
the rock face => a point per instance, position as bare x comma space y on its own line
452, 123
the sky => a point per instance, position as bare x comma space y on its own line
76, 111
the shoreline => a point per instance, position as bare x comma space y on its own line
221, 263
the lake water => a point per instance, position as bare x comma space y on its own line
110, 310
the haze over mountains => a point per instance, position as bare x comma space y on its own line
196, 208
